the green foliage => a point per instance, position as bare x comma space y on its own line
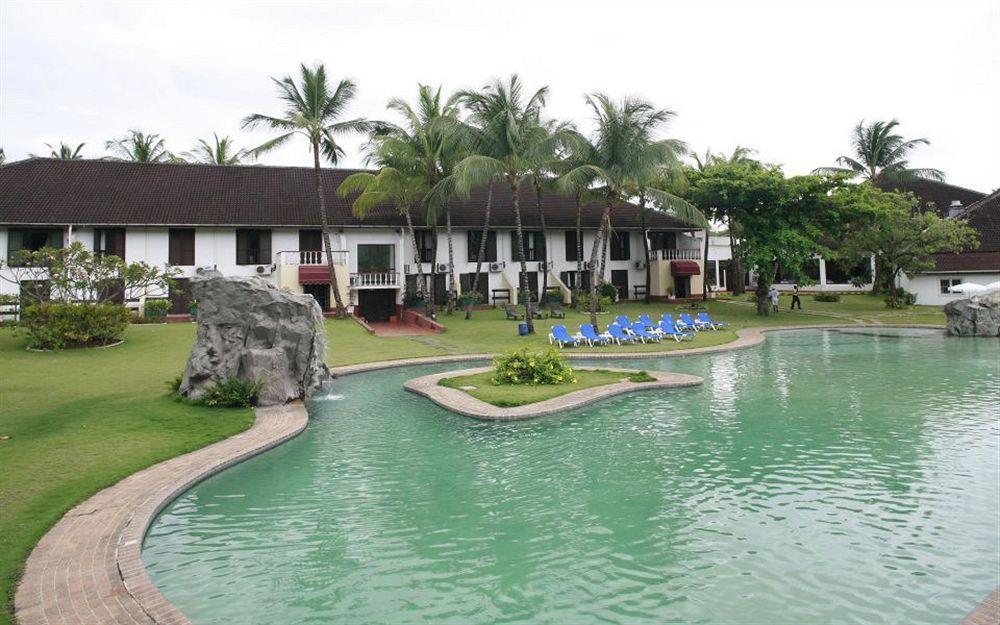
233, 393
525, 366
826, 297
474, 298
412, 299
174, 383
900, 298
55, 325
881, 155
608, 290
641, 376
140, 147
156, 308
603, 303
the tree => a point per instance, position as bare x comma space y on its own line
888, 226
217, 151
393, 187
64, 152
3, 157
880, 155
505, 121
140, 147
626, 151
311, 111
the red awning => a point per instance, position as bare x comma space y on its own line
684, 268
314, 274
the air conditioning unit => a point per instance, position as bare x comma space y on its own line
204, 268
442, 267
406, 269
497, 267
265, 270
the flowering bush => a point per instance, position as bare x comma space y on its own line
530, 367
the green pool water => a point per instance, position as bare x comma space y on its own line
821, 478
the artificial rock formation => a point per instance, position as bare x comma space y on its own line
978, 315
251, 330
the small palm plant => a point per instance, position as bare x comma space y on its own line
217, 151
140, 147
880, 155
64, 152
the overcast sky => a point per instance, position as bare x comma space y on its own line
789, 79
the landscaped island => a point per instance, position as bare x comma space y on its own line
479, 385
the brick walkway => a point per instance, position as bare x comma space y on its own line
87, 569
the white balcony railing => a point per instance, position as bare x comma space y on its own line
677, 254
310, 257
375, 279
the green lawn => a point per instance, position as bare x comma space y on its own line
507, 395
79, 421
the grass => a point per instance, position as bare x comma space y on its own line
81, 420
510, 395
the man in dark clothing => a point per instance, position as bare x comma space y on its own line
795, 297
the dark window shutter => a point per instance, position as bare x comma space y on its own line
491, 247
264, 257
241, 247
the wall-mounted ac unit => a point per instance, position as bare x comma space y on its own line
406, 269
265, 270
442, 267
497, 267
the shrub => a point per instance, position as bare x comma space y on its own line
608, 290
174, 383
826, 297
412, 299
525, 366
233, 393
603, 303
641, 376
900, 298
156, 308
55, 325
473, 297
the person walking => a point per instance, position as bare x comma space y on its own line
795, 297
773, 295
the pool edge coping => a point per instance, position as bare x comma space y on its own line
462, 403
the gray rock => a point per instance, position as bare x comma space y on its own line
978, 315
251, 330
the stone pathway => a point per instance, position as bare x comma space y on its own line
987, 612
87, 569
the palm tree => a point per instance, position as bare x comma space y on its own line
3, 157
390, 186
64, 152
505, 120
140, 147
311, 111
626, 151
581, 151
880, 155
739, 154
216, 152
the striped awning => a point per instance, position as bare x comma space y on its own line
684, 268
314, 274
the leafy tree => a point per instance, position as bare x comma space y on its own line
217, 151
626, 151
140, 147
902, 239
881, 155
64, 152
312, 111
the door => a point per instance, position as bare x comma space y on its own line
466, 280
682, 286
440, 289
532, 284
377, 304
619, 279
321, 292
180, 297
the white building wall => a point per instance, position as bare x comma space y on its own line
927, 287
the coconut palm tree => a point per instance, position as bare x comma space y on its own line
626, 150
881, 155
64, 152
393, 187
311, 111
217, 151
581, 151
3, 157
505, 119
140, 147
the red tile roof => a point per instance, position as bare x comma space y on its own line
85, 192
984, 216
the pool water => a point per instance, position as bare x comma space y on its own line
823, 477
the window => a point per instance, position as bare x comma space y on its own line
376, 258
425, 245
311, 240
620, 249
474, 239
662, 240
534, 246
570, 278
253, 247
948, 283
109, 241
31, 240
573, 245
181, 246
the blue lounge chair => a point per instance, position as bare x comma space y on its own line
561, 336
680, 325
690, 323
703, 316
645, 320
623, 322
640, 332
591, 336
669, 329
618, 335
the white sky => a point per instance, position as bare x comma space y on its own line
789, 79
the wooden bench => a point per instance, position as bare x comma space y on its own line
500, 296
639, 291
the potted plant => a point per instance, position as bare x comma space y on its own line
155, 308
670, 292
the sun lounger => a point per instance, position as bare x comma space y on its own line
640, 332
669, 329
704, 317
560, 335
618, 335
591, 336
693, 323
512, 312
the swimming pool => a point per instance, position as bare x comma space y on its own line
821, 477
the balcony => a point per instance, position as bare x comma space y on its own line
674, 254
310, 257
375, 280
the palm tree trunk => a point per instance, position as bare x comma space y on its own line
482, 249
579, 251
593, 262
451, 260
704, 270
432, 300
604, 249
646, 253
545, 245
416, 251
520, 252
738, 286
341, 312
